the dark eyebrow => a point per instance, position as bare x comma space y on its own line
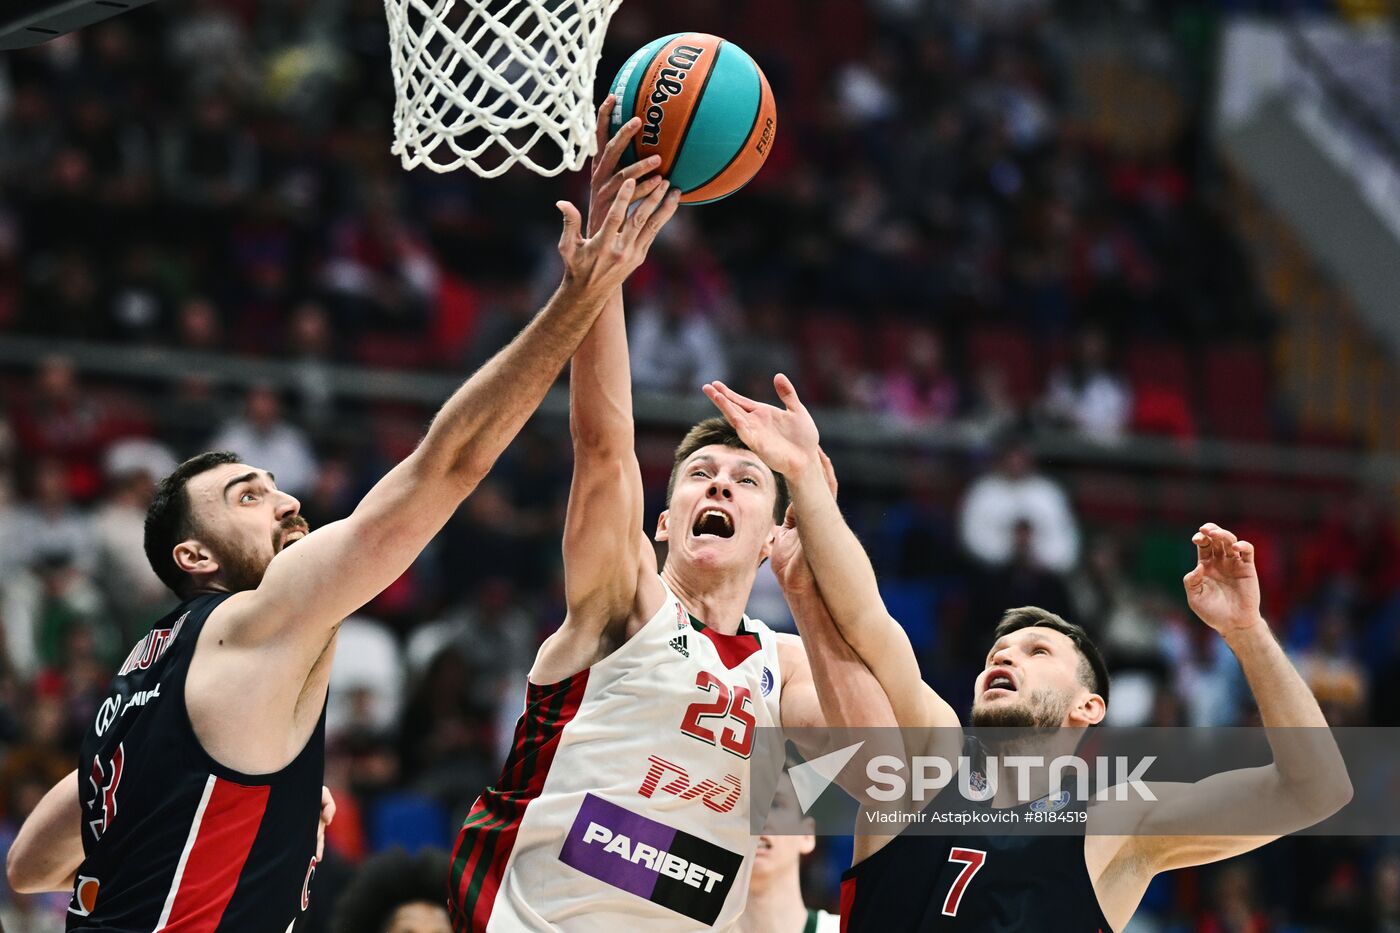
245, 478
702, 458
1031, 639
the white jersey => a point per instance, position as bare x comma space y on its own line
624, 803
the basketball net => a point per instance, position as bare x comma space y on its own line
487, 84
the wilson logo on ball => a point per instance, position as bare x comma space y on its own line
667, 85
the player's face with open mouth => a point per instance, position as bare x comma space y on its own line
1031, 679
721, 511
245, 520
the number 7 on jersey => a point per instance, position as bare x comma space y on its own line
972, 861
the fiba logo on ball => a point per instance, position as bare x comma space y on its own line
765, 683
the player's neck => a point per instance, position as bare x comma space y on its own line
718, 599
1027, 782
776, 909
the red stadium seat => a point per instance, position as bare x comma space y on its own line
1235, 392
1157, 364
891, 341
1012, 351
391, 352
1161, 380
832, 348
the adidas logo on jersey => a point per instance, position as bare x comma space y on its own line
679, 644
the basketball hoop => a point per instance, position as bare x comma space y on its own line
488, 84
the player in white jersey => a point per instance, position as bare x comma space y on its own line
624, 804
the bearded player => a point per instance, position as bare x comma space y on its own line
624, 804
1043, 672
196, 805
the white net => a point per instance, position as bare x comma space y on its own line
491, 83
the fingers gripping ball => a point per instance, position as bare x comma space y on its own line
706, 110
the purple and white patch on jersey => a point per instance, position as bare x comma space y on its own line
654, 861
765, 682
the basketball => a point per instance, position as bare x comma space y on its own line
706, 109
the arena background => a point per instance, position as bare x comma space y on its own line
1156, 244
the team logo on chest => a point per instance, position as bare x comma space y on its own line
719, 796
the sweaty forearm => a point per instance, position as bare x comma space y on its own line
1279, 690
837, 558
482, 417
850, 695
1305, 753
600, 386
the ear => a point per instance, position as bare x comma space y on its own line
809, 843
662, 534
192, 557
769, 544
1090, 712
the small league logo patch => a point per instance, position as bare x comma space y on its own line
660, 864
765, 682
1052, 803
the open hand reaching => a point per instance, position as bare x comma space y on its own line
1223, 589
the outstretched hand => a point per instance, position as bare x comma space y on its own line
605, 180
1223, 589
616, 243
786, 438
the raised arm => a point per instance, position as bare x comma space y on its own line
788, 441
608, 561
825, 682
1307, 781
314, 584
48, 849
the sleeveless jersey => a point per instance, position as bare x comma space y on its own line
624, 803
973, 883
173, 841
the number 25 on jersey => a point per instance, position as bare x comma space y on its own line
729, 705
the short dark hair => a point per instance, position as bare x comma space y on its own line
1093, 673
387, 882
169, 520
718, 431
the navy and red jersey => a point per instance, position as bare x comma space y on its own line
173, 841
975, 883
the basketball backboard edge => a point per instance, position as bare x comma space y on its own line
30, 22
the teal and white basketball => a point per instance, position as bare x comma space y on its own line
706, 109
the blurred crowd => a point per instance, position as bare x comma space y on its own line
937, 240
